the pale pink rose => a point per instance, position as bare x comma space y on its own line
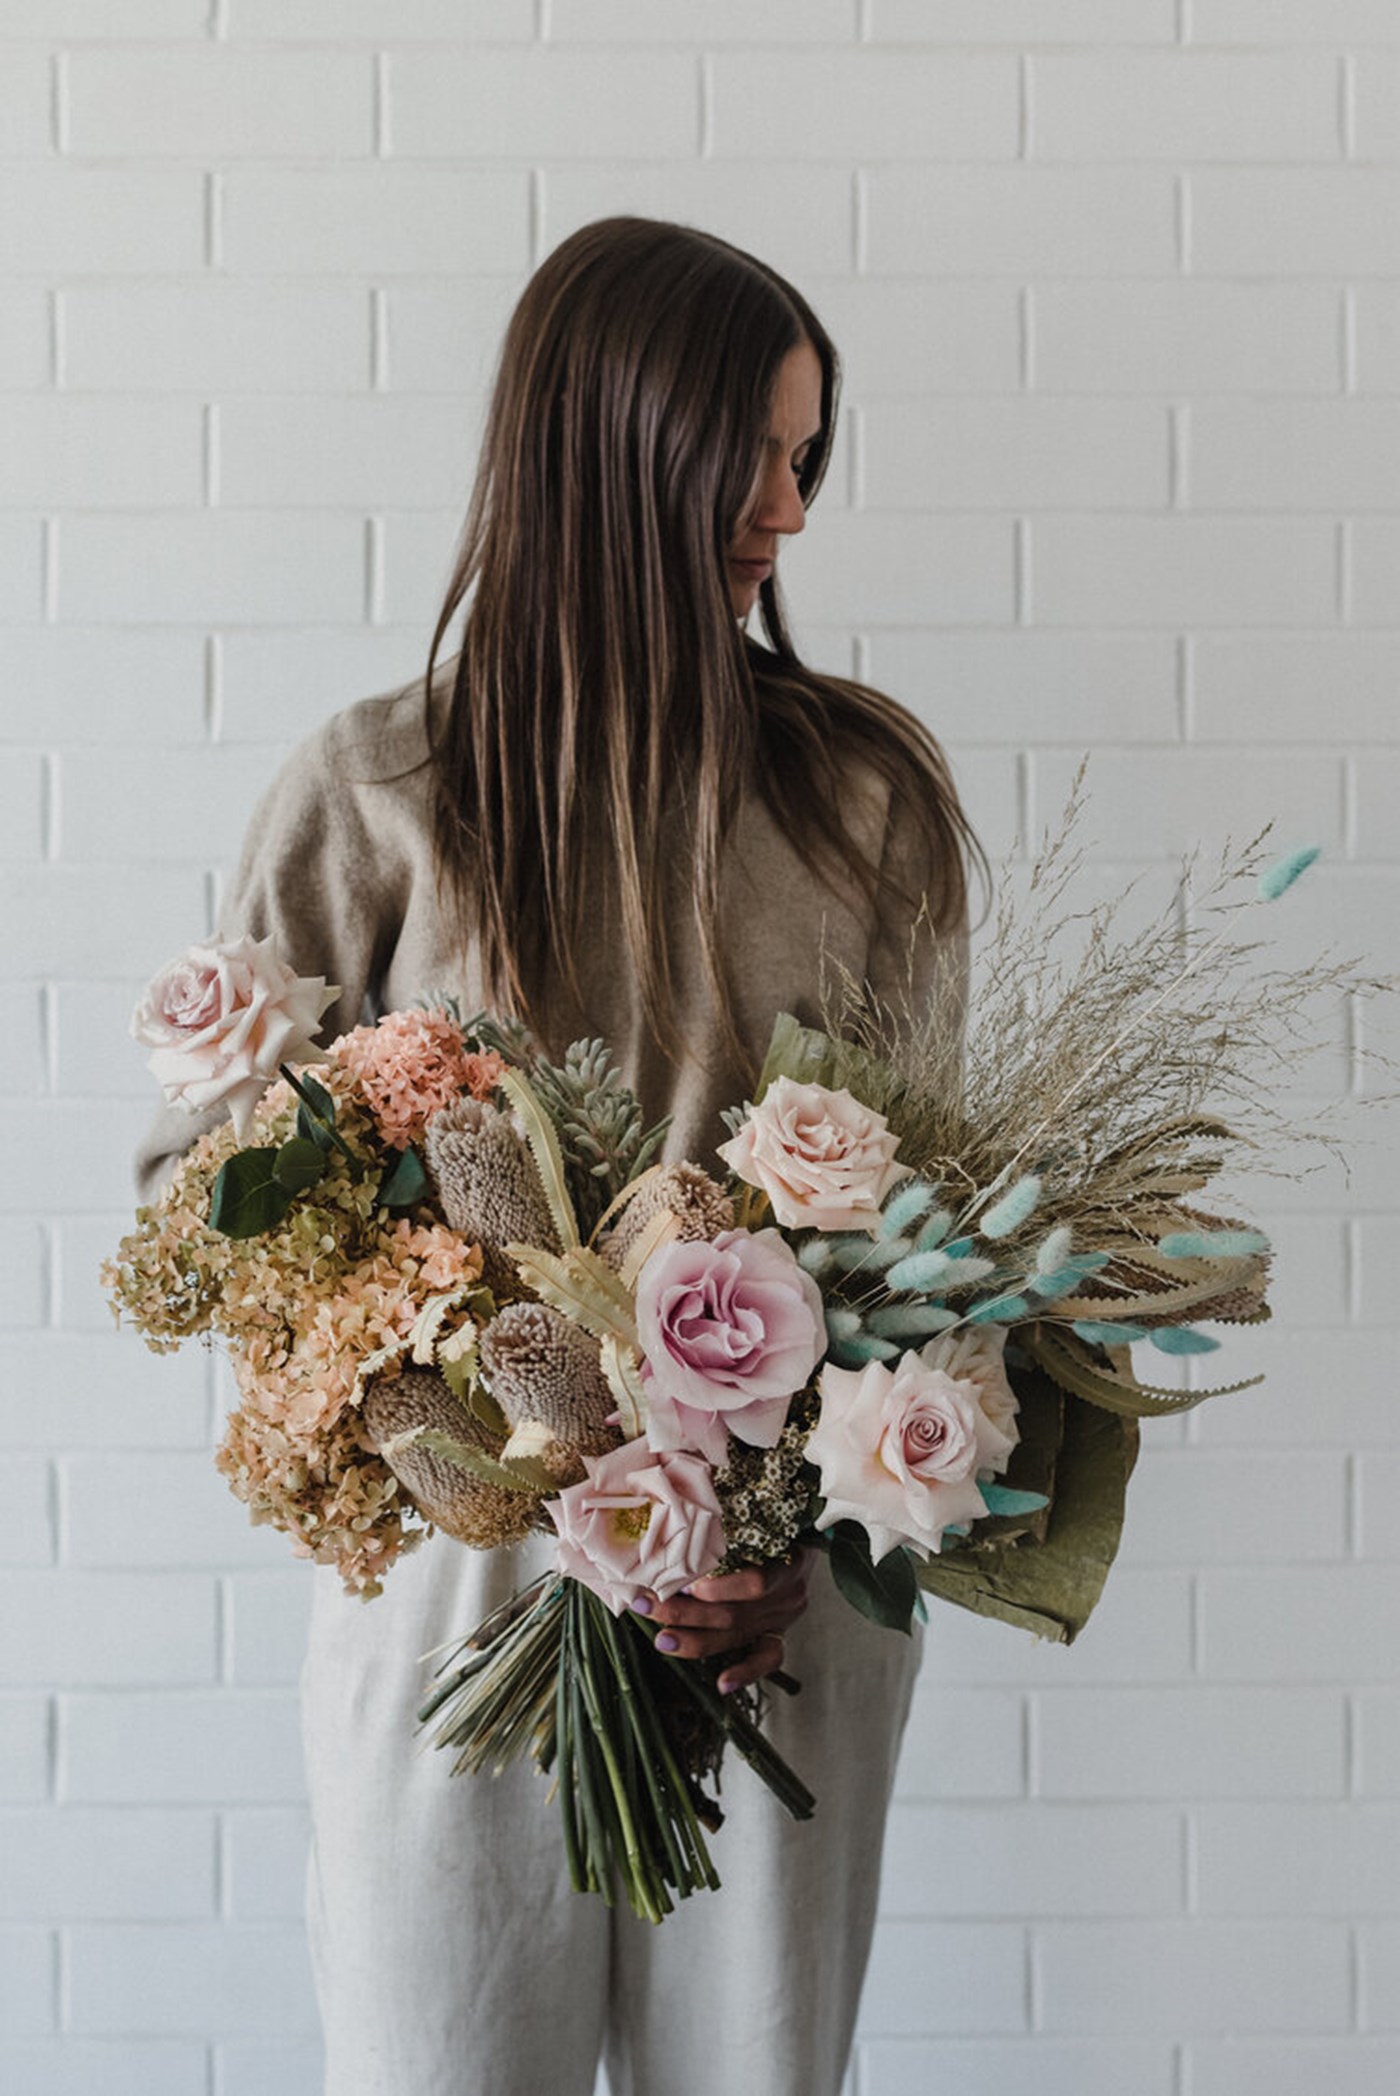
639, 1520
975, 1354
221, 1019
900, 1450
731, 1327
825, 1161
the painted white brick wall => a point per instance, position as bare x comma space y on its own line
1118, 283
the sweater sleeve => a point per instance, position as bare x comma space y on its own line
309, 875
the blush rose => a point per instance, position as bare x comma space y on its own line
639, 1519
900, 1449
220, 1020
825, 1161
731, 1327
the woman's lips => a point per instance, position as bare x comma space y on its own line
751, 570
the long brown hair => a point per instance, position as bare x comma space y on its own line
604, 689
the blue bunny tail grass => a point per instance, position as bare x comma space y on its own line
1011, 1210
1182, 1339
1212, 1244
1107, 1333
1277, 879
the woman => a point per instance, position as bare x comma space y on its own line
619, 815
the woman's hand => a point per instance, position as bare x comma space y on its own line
747, 1613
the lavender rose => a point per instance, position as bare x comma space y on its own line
825, 1161
220, 1020
900, 1450
730, 1328
639, 1520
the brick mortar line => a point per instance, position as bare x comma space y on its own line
1348, 339
705, 132
381, 116
59, 102
379, 374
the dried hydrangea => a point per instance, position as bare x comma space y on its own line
410, 1066
301, 1307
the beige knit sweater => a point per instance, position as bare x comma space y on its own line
338, 862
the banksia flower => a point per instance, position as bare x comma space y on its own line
458, 1502
701, 1208
543, 1367
488, 1184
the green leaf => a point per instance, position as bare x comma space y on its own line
247, 1198
886, 1592
315, 1127
299, 1164
405, 1181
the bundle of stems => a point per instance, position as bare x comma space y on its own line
626, 1729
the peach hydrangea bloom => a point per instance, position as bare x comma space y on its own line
300, 1307
410, 1066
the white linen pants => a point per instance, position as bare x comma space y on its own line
452, 1956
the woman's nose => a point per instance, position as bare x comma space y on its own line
780, 503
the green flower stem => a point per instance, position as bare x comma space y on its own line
699, 1871
568, 1797
668, 1802
637, 1870
761, 1756
596, 1847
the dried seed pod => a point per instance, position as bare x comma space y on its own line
543, 1367
488, 1184
455, 1500
701, 1208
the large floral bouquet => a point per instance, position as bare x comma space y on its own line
895, 1325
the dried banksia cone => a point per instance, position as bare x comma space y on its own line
465, 1506
543, 1367
488, 1184
701, 1208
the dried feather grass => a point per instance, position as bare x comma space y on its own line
1126, 1068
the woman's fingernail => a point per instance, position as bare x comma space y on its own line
726, 1685
642, 1604
667, 1643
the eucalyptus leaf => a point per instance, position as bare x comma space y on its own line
886, 1592
405, 1182
247, 1196
315, 1127
299, 1164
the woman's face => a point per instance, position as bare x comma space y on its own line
776, 508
